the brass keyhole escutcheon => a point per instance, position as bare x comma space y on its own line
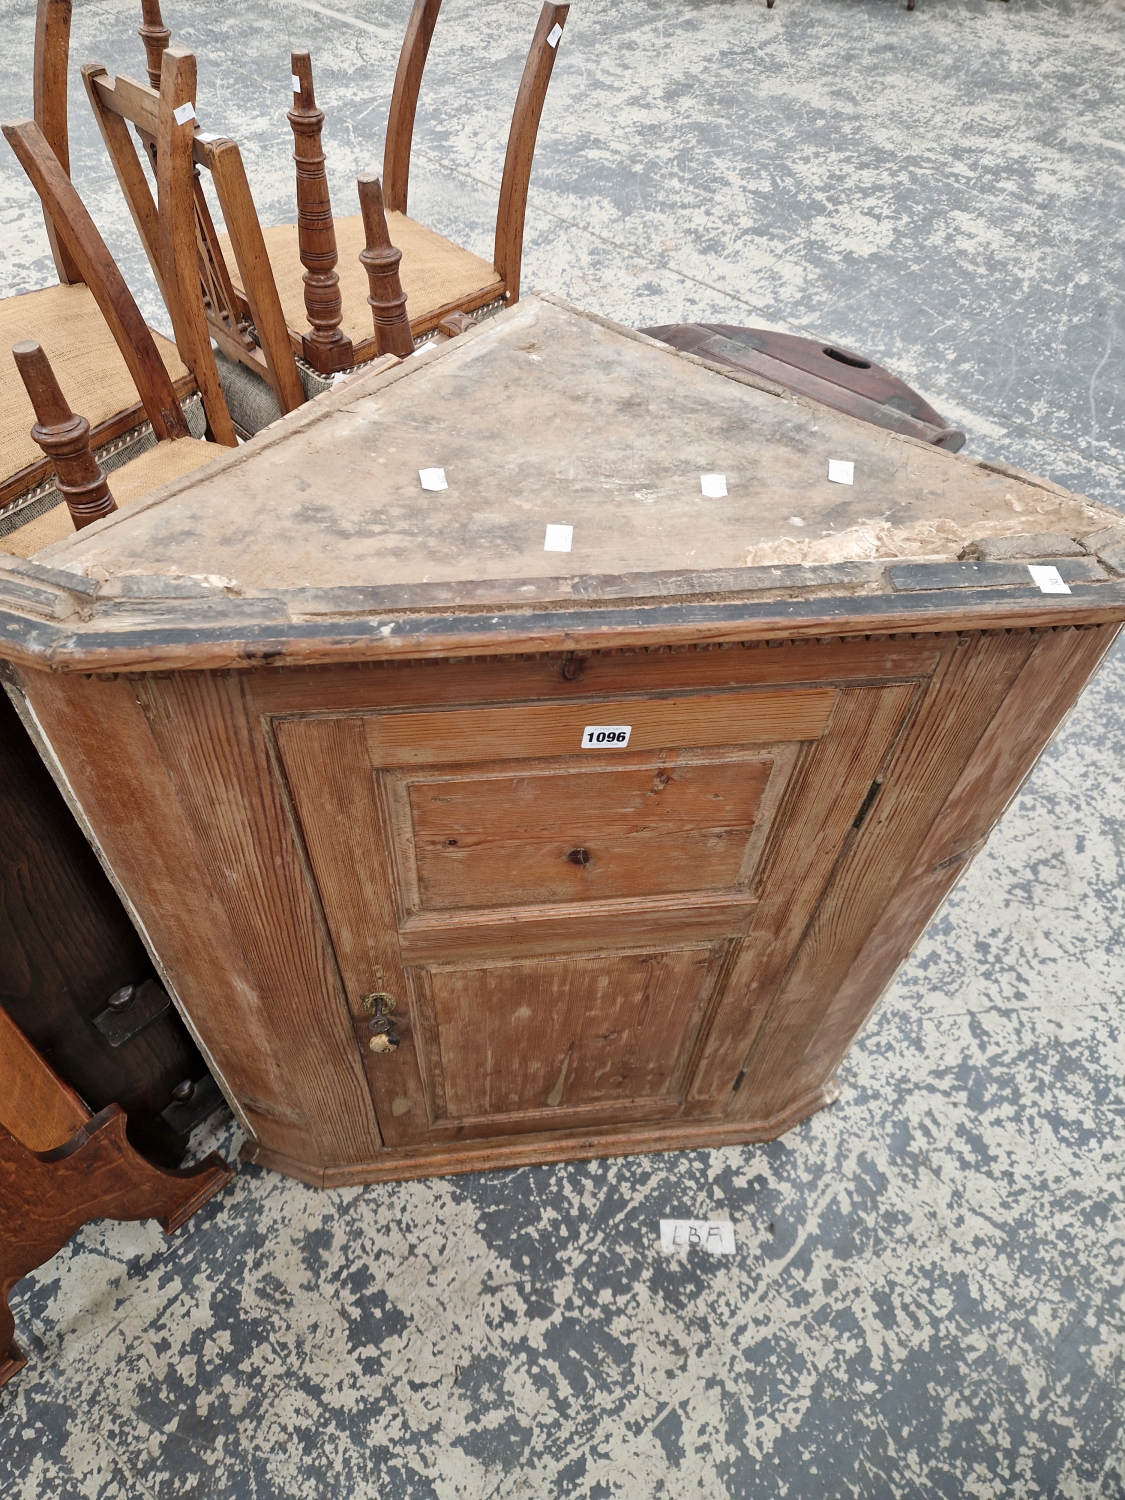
378, 1003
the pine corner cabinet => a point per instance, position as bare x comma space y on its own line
458, 852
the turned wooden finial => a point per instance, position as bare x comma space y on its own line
156, 36
380, 259
64, 438
325, 346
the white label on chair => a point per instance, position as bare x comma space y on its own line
841, 471
185, 113
433, 479
714, 486
554, 35
1048, 580
606, 736
296, 82
205, 136
558, 538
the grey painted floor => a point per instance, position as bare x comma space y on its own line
926, 1297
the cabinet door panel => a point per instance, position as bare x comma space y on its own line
563, 934
583, 835
589, 1031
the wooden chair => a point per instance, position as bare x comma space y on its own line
132, 346
92, 331
60, 1167
188, 257
439, 278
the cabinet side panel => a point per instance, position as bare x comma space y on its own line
1042, 696
961, 702
94, 735
229, 788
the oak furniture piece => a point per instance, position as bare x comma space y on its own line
129, 381
60, 1167
439, 278
839, 377
187, 255
74, 974
145, 459
578, 807
79, 479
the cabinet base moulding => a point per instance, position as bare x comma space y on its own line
540, 1150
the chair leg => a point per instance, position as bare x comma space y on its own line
65, 439
156, 36
46, 1197
325, 347
380, 260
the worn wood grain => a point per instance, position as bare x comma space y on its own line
66, 944
519, 732
962, 699
404, 102
507, 256
99, 732
231, 798
35, 1105
1052, 676
50, 61
179, 253
100, 273
827, 790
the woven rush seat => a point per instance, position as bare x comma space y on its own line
134, 480
434, 271
90, 368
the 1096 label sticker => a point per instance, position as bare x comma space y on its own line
606, 736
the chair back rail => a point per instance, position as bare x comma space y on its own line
404, 103
179, 233
48, 89
123, 101
508, 253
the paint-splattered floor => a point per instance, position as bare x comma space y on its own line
926, 1294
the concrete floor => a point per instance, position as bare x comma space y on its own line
926, 1294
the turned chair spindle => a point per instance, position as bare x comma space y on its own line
64, 438
326, 346
380, 260
155, 36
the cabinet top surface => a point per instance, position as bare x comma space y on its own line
546, 418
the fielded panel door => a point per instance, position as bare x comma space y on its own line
555, 894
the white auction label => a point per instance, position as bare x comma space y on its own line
841, 471
606, 736
296, 82
682, 1234
185, 113
714, 486
432, 479
1048, 579
558, 538
554, 35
